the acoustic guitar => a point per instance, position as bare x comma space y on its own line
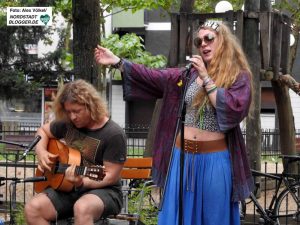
66, 156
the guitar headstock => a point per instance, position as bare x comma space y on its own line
94, 172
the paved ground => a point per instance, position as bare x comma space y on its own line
251, 221
102, 222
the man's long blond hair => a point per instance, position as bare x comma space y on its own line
228, 61
80, 92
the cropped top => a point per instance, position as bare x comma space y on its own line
205, 119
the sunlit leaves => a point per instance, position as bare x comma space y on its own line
130, 46
138, 4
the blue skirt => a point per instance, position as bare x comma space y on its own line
207, 186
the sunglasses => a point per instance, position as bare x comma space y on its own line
209, 38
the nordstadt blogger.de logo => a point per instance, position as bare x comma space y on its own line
29, 16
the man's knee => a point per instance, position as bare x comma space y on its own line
82, 209
32, 206
39, 207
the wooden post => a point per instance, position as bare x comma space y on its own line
173, 54
285, 53
251, 47
239, 25
265, 32
276, 44
265, 6
183, 34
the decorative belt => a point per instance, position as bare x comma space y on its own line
202, 146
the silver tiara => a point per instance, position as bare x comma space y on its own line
212, 24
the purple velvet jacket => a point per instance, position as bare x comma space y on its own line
232, 107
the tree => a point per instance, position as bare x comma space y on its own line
86, 36
85, 17
88, 22
22, 74
14, 61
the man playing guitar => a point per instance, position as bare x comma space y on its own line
82, 122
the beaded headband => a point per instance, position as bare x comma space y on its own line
212, 24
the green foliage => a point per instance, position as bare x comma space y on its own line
149, 211
135, 151
292, 8
64, 7
18, 214
130, 46
18, 3
139, 4
15, 63
66, 59
2, 147
13, 84
271, 159
2, 19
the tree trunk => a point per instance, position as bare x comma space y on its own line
251, 47
286, 119
86, 36
279, 57
289, 81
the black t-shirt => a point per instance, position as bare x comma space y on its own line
104, 144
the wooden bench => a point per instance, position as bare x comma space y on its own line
137, 169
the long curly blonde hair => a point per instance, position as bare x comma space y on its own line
80, 92
228, 61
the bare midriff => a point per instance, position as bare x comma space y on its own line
195, 134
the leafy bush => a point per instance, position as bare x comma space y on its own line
130, 46
149, 211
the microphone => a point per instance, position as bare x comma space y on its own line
32, 144
32, 179
189, 66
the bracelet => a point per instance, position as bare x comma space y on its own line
212, 90
206, 81
118, 64
210, 87
210, 82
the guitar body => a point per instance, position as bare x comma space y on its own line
57, 181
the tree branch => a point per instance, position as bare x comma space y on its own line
288, 80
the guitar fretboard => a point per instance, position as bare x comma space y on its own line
61, 168
93, 172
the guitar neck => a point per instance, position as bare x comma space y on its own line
79, 170
92, 172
